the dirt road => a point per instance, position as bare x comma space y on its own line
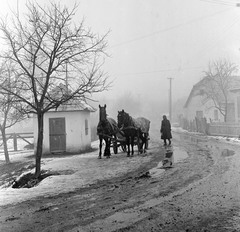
200, 193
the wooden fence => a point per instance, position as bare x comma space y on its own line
225, 129
196, 125
18, 136
216, 129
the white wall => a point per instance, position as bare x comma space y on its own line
76, 140
196, 104
75, 129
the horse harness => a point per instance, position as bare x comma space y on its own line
107, 127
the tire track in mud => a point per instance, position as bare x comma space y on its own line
132, 195
210, 204
41, 213
170, 184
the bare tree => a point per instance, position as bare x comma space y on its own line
9, 114
41, 49
218, 80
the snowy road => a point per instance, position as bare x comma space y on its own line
200, 193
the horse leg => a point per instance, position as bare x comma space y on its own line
144, 139
100, 147
138, 143
132, 144
144, 143
128, 145
108, 148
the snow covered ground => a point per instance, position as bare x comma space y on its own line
75, 171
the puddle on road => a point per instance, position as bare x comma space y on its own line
178, 155
192, 138
227, 152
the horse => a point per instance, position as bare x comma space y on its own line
107, 129
134, 128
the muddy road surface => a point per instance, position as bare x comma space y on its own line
201, 192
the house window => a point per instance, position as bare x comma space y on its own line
230, 112
215, 115
86, 127
199, 114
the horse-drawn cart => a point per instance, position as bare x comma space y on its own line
126, 132
116, 142
119, 141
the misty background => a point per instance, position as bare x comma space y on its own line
151, 41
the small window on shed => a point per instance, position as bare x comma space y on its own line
86, 127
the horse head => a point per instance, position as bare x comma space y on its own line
123, 119
102, 113
120, 119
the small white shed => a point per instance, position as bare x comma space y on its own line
67, 129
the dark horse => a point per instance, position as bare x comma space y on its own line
134, 128
107, 129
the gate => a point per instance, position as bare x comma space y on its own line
57, 134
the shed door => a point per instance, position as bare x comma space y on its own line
57, 134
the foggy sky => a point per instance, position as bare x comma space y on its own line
152, 40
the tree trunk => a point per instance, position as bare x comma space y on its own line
5, 146
39, 145
225, 115
226, 110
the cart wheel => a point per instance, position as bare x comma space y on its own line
115, 147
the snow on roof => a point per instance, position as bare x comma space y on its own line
76, 105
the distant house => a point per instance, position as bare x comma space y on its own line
236, 97
197, 106
66, 129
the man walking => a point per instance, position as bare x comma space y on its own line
166, 130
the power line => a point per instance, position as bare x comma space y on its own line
169, 28
213, 44
159, 71
219, 2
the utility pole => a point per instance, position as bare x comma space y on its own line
170, 99
66, 80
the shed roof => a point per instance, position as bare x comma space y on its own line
76, 105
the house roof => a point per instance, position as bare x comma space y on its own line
194, 88
200, 84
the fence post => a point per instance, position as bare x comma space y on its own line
15, 141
